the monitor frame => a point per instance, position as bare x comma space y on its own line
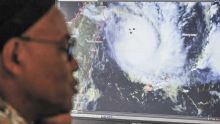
136, 118
141, 118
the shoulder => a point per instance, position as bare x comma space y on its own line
8, 115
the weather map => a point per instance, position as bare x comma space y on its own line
148, 57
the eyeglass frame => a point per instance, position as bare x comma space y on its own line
69, 41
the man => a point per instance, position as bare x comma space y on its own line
36, 80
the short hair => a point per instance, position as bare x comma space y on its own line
16, 16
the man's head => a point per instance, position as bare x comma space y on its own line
35, 66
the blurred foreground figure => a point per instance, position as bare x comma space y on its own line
36, 67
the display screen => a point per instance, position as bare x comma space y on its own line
159, 58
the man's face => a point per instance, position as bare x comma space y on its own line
46, 78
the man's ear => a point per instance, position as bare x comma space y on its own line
11, 56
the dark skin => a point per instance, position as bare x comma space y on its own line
38, 81
59, 119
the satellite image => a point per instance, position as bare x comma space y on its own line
148, 57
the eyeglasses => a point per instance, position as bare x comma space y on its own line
69, 42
